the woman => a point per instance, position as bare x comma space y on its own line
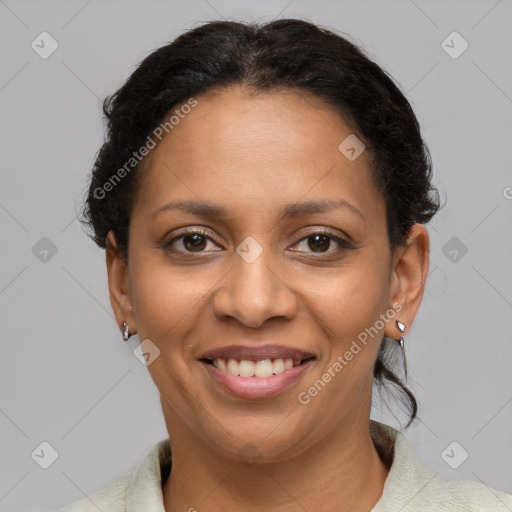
261, 196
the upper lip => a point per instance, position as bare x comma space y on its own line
257, 353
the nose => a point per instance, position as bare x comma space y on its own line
253, 292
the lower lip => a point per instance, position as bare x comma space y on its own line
257, 387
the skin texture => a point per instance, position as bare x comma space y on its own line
253, 153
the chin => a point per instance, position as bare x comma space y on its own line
260, 441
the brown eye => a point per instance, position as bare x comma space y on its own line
320, 242
192, 241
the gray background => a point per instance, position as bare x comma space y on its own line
66, 376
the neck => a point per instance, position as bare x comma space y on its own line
340, 473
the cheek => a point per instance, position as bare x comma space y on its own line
352, 312
356, 299
167, 299
356, 295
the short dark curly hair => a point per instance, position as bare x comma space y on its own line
286, 53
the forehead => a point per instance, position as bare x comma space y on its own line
256, 148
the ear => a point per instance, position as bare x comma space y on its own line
119, 284
409, 275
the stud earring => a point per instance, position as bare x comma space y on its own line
126, 331
401, 328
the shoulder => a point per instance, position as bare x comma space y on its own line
142, 486
440, 495
111, 498
411, 485
473, 496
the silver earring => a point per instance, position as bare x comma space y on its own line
401, 328
126, 331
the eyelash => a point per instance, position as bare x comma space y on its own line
343, 244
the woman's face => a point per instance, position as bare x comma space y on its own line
257, 285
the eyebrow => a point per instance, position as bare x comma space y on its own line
289, 211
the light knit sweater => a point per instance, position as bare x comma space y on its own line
410, 485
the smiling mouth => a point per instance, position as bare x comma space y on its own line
263, 368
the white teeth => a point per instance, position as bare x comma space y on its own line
233, 367
264, 368
260, 369
246, 368
278, 366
